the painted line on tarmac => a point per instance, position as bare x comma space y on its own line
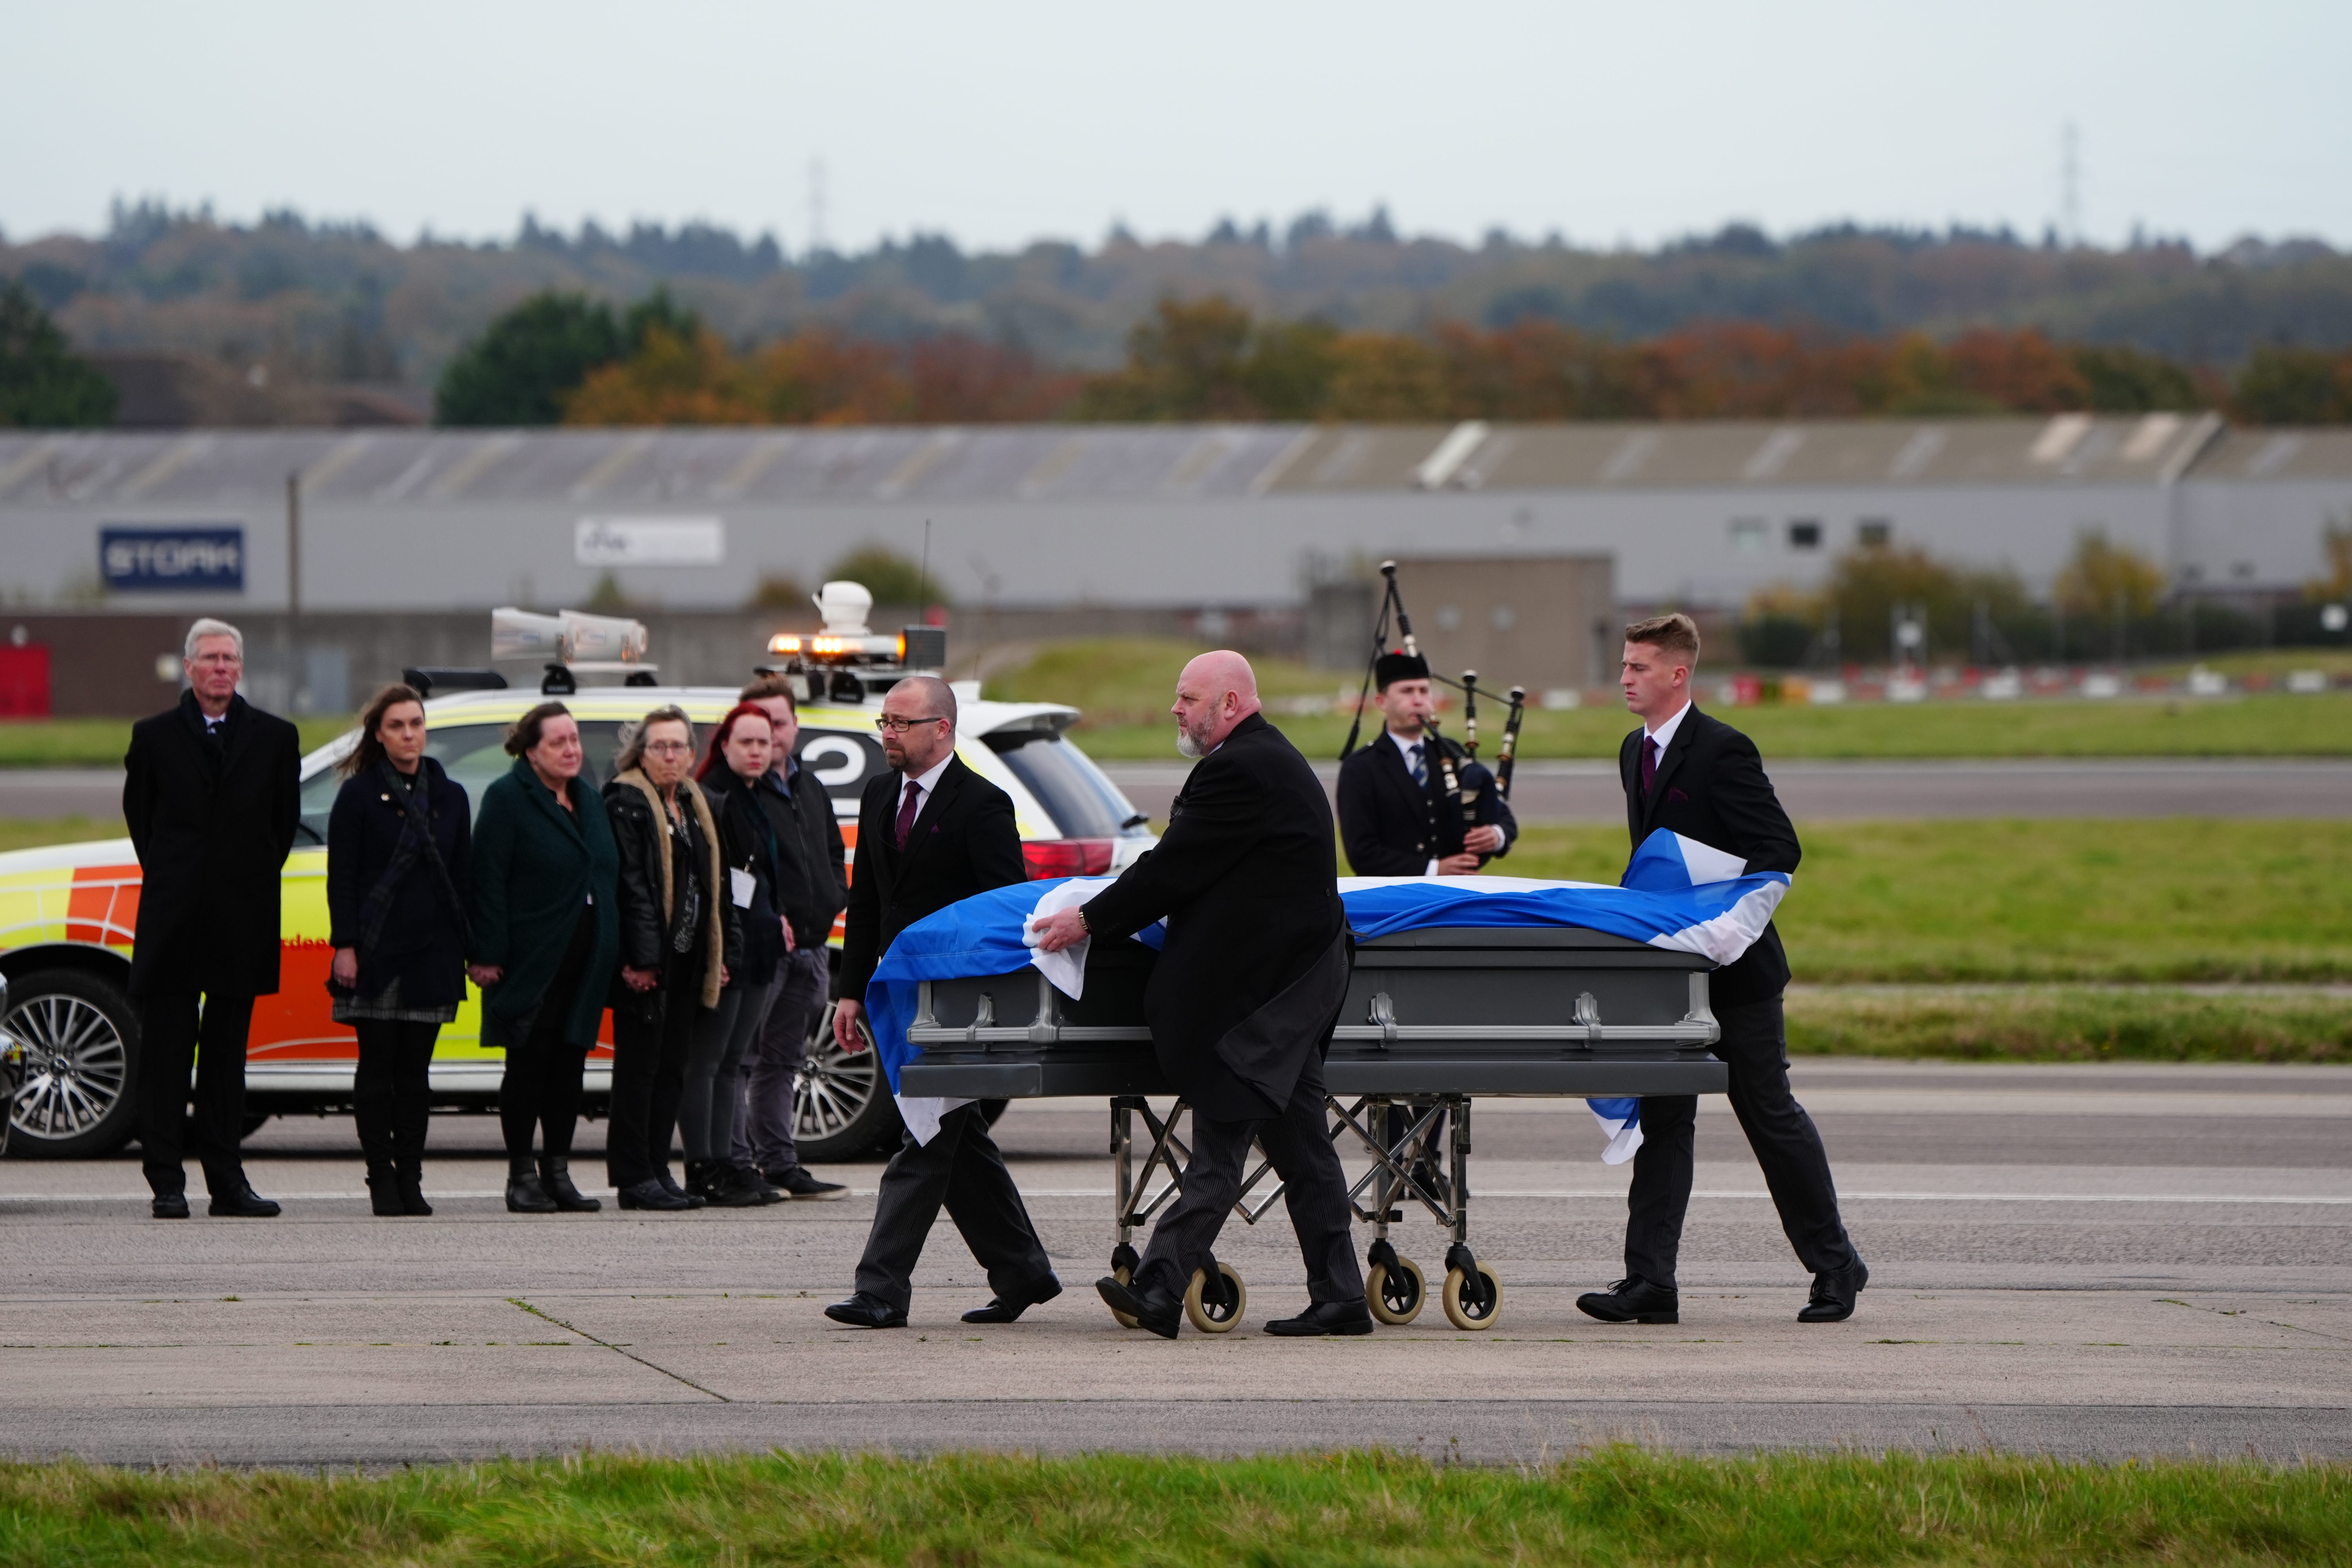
1480, 1194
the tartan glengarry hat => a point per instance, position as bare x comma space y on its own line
1391, 667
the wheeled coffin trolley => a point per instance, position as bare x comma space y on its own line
1434, 1018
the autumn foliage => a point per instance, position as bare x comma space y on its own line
1211, 359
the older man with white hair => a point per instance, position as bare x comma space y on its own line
1243, 1000
212, 791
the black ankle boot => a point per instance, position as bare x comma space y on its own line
409, 1175
384, 1189
555, 1177
524, 1194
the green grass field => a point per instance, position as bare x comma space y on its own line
1123, 685
21, 835
1615, 1507
101, 742
2070, 1023
2135, 900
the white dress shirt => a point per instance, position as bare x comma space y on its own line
1664, 734
1407, 745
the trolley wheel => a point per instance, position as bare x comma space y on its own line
1125, 1276
1397, 1294
1470, 1303
1216, 1314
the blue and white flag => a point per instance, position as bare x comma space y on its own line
1677, 893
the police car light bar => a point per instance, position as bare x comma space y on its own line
817, 647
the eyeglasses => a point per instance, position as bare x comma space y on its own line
667, 747
890, 724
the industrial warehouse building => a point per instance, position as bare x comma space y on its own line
1107, 525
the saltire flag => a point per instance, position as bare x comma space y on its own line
1677, 893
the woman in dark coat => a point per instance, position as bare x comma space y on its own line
678, 936
738, 756
546, 934
400, 879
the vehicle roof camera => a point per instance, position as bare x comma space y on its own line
848, 660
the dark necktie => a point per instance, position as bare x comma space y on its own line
907, 811
1649, 762
1420, 767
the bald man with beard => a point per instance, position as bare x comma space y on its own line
1243, 999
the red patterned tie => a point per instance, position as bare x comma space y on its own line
907, 811
1649, 770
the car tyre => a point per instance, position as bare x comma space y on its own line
842, 1108
81, 1072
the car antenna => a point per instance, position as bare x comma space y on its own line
923, 574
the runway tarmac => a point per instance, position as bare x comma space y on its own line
2093, 1260
1589, 791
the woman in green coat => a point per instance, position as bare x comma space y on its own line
546, 934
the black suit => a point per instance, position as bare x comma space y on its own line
963, 842
1393, 826
1711, 786
212, 817
1245, 995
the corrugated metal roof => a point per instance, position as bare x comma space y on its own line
1078, 463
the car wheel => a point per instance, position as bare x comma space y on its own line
82, 1060
841, 1102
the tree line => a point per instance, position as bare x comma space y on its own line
568, 359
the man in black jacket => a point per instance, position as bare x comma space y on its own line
1394, 817
931, 831
811, 879
1698, 776
212, 792
1243, 1000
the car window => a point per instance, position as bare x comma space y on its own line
474, 756
1083, 802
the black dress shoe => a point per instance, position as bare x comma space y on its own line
1633, 1300
243, 1203
1151, 1306
169, 1205
801, 1183
670, 1185
1833, 1295
1326, 1317
1000, 1309
865, 1311
651, 1194
525, 1195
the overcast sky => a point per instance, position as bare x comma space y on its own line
1022, 118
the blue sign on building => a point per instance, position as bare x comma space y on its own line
173, 558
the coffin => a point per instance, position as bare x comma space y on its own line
1449, 1010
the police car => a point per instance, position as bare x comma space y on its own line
66, 914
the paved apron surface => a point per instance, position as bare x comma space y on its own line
2087, 1260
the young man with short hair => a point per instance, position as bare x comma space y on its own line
1693, 774
811, 882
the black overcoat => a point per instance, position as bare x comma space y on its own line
1255, 965
1711, 786
963, 842
212, 822
535, 865
1393, 826
422, 943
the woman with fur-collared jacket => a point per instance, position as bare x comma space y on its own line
679, 937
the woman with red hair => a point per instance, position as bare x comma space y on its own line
741, 751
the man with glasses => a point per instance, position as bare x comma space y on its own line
211, 791
929, 832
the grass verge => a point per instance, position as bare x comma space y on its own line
1123, 685
101, 742
2070, 1023
1617, 1506
2144, 900
34, 834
